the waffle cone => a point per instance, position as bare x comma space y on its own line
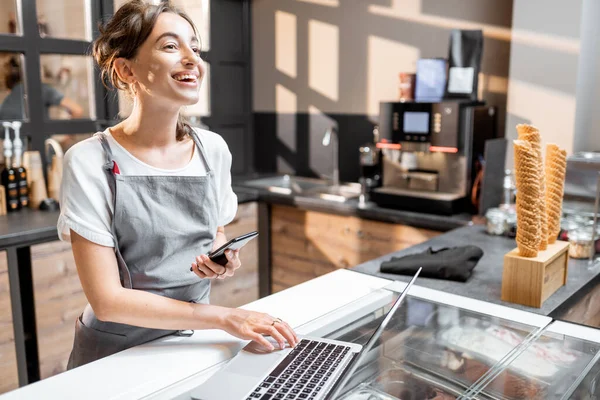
532, 135
556, 166
524, 129
528, 197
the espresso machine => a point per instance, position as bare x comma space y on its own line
432, 155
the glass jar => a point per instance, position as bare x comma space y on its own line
581, 243
511, 221
496, 221
568, 224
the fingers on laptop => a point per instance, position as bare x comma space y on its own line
274, 333
257, 337
279, 330
287, 331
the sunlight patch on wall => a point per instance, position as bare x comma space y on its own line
409, 11
285, 43
328, 3
323, 58
386, 59
538, 105
285, 100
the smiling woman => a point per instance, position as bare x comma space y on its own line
147, 198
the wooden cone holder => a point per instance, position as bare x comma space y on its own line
531, 280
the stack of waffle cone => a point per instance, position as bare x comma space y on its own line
556, 166
532, 135
528, 196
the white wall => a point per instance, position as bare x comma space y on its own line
587, 118
544, 61
344, 56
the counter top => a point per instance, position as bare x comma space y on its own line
486, 282
27, 227
351, 208
146, 369
171, 366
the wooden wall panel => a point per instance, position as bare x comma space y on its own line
59, 299
242, 288
307, 244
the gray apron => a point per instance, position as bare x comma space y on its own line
160, 224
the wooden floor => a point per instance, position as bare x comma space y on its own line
59, 298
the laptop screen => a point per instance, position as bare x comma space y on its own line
345, 378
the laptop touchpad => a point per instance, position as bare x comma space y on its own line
254, 364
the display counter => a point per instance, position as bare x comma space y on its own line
437, 346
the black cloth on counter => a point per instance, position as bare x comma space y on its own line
454, 263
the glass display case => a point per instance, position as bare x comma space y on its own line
442, 346
435, 349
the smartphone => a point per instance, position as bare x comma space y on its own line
218, 255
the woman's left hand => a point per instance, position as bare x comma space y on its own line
204, 268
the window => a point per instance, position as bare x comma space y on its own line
13, 104
44, 52
10, 21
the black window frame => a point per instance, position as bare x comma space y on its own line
32, 46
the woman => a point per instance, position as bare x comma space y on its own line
149, 197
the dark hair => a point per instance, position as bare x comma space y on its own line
123, 35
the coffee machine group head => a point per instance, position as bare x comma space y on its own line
432, 154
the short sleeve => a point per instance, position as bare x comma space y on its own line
85, 197
51, 96
227, 198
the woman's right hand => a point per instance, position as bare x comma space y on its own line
253, 325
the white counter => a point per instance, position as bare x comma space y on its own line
147, 369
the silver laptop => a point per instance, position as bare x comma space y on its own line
315, 369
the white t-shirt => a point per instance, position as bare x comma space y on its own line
86, 204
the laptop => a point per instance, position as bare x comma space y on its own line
315, 369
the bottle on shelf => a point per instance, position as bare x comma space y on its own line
9, 175
370, 173
369, 161
18, 165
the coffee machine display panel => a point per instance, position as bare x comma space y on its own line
416, 122
419, 126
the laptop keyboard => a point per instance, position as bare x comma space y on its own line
302, 373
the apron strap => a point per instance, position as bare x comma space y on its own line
200, 147
108, 155
112, 184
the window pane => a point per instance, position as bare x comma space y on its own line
13, 98
10, 23
67, 86
65, 19
199, 12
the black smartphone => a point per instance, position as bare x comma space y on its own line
218, 255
